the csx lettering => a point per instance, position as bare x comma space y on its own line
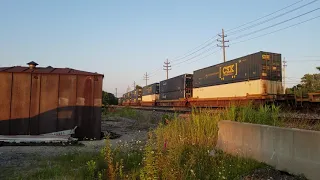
266, 57
227, 70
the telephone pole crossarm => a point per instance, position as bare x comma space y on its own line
167, 67
146, 77
223, 46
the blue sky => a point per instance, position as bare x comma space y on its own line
125, 39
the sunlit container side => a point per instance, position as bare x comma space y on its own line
150, 98
260, 65
239, 89
150, 89
177, 83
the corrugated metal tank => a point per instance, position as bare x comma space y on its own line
43, 100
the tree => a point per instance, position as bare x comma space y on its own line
138, 87
109, 98
318, 68
309, 83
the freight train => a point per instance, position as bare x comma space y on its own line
254, 78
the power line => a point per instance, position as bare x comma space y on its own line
266, 15
276, 31
201, 58
187, 54
262, 22
194, 56
241, 36
208, 43
303, 60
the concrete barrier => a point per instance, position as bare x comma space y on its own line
292, 150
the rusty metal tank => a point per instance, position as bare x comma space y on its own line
37, 100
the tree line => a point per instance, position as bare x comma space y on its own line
309, 83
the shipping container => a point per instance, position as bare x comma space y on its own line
150, 98
177, 83
239, 89
137, 93
120, 101
151, 89
260, 65
37, 100
175, 95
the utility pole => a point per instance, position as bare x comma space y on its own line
166, 67
223, 44
146, 77
116, 92
284, 75
134, 85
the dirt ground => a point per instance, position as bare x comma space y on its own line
20, 157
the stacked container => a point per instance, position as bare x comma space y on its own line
150, 93
255, 74
135, 95
176, 88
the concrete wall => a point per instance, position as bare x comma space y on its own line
292, 150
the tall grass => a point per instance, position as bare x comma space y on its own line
181, 148
264, 114
121, 112
185, 149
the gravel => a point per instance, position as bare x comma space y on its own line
21, 157
271, 174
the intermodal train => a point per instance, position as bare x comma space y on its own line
253, 78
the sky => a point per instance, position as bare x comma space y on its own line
125, 39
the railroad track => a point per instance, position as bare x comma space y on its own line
289, 115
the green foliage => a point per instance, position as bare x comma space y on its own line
109, 99
91, 168
69, 166
126, 112
266, 114
309, 83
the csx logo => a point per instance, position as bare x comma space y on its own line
266, 57
228, 70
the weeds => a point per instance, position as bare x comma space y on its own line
264, 114
126, 112
176, 149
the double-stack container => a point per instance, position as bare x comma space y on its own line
254, 74
150, 93
176, 88
135, 96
